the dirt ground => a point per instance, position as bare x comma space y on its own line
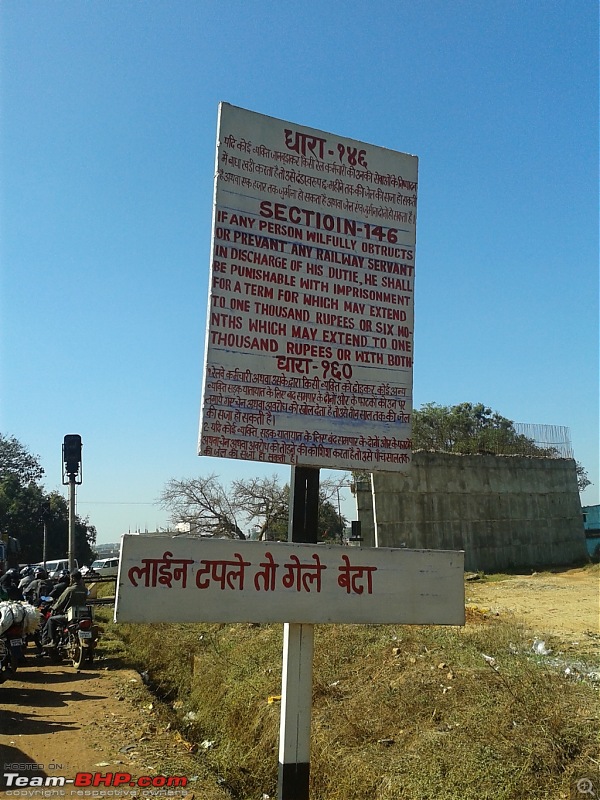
565, 604
58, 723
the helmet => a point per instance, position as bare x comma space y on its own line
40, 573
64, 574
26, 571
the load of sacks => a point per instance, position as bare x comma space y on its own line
14, 612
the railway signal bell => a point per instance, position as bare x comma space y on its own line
71, 457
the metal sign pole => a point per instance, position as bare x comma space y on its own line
71, 522
298, 646
45, 544
71, 451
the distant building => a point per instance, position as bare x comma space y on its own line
591, 519
591, 526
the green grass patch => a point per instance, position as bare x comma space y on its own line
398, 711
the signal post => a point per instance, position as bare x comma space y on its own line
71, 451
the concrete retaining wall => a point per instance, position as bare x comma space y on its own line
503, 511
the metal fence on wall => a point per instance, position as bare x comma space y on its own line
512, 439
555, 440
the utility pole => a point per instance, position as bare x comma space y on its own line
45, 513
71, 450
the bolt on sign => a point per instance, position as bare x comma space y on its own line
187, 579
309, 344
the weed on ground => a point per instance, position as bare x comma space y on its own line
406, 712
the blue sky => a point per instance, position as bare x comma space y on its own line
107, 141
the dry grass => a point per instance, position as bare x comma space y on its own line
398, 712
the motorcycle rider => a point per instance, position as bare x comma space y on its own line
61, 584
27, 574
39, 587
74, 595
9, 585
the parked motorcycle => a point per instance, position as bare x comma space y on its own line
17, 621
75, 637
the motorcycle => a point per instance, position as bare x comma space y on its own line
75, 636
17, 621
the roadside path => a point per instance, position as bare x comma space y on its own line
56, 722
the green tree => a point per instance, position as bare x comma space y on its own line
331, 524
475, 428
16, 460
582, 477
466, 428
24, 506
55, 513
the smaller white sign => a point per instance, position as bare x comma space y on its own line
186, 579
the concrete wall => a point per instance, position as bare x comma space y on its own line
503, 511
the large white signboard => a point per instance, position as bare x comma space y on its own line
186, 579
310, 318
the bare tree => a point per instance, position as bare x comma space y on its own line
264, 500
329, 487
205, 505
212, 510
